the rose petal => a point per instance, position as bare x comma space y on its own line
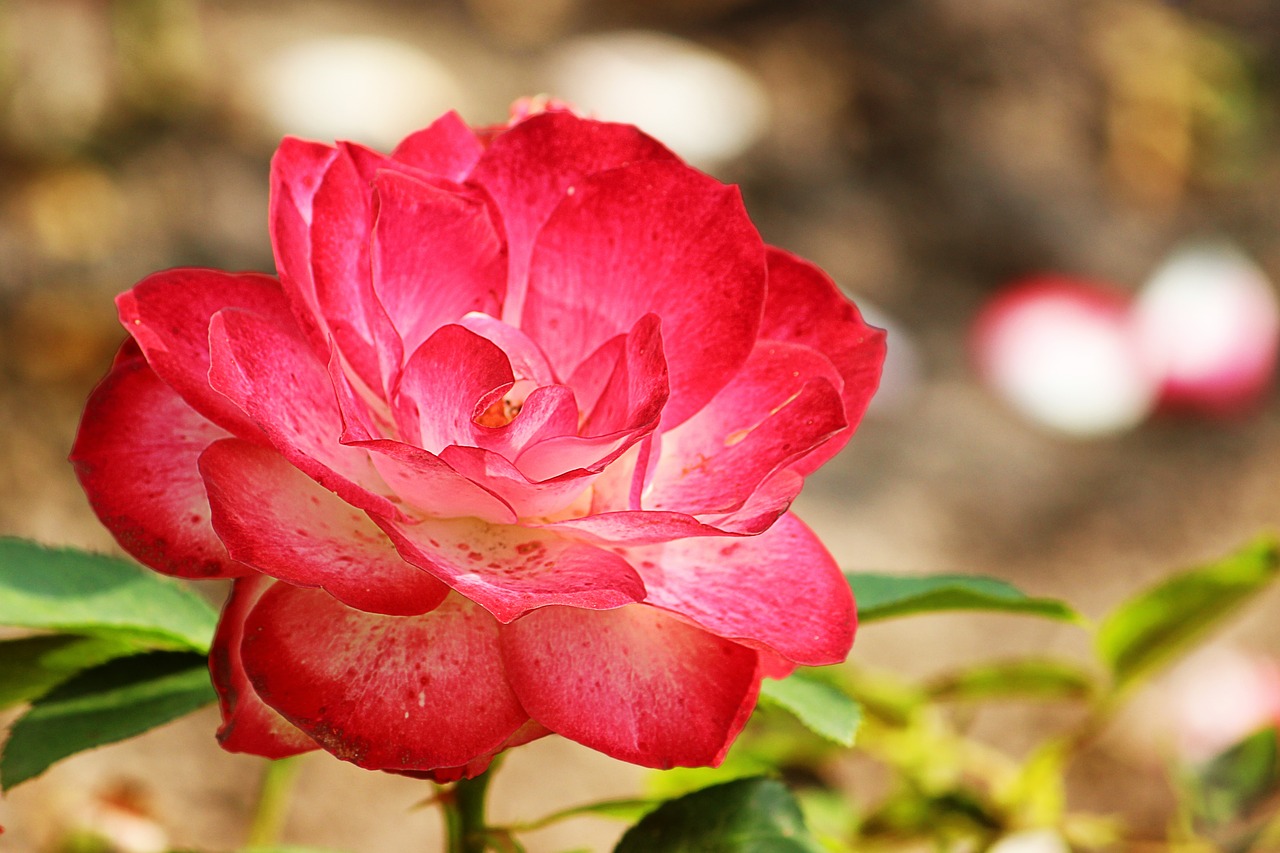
447, 148
296, 171
432, 486
275, 378
780, 406
342, 220
610, 523
135, 455
548, 414
624, 384
168, 314
383, 692
805, 306
634, 683
273, 517
528, 499
512, 570
530, 731
527, 361
446, 384
528, 169
248, 724
630, 242
436, 255
781, 589
415, 476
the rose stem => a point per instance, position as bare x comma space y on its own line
273, 801
464, 814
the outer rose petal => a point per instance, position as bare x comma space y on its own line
629, 242
278, 520
528, 169
275, 378
780, 589
633, 683
448, 148
383, 692
168, 314
436, 255
527, 733
296, 170
804, 306
248, 725
342, 218
135, 455
512, 570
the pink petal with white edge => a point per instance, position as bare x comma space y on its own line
624, 382
448, 148
447, 383
168, 314
634, 683
529, 499
614, 517
512, 570
432, 486
528, 169
625, 386
413, 475
527, 361
248, 724
383, 692
278, 520
273, 376
781, 590
767, 503
436, 255
548, 414
135, 456
806, 307
630, 242
781, 406
296, 171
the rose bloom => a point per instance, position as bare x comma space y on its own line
506, 449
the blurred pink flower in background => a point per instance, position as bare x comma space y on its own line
1221, 695
1085, 359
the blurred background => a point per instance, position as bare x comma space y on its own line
926, 153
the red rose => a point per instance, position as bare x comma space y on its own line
506, 449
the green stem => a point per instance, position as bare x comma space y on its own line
464, 814
273, 802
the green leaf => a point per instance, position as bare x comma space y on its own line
77, 592
745, 816
1016, 679
1148, 630
108, 703
1232, 784
31, 666
885, 596
824, 709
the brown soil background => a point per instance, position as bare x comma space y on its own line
923, 152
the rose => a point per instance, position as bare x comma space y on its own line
507, 449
